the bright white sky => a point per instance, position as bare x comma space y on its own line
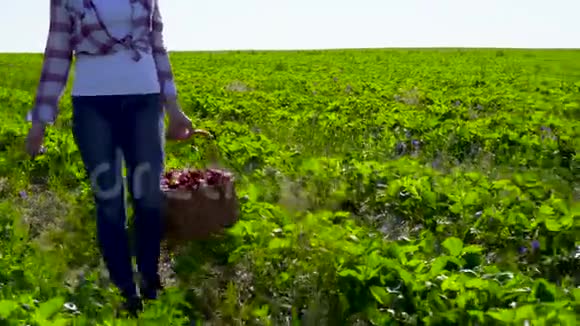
319, 24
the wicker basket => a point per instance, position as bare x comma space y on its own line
198, 214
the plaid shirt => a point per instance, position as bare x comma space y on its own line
75, 26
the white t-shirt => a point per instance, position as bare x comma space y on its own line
117, 73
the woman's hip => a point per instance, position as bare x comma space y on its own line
105, 127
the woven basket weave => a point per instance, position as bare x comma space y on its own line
198, 214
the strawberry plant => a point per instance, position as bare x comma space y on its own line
376, 187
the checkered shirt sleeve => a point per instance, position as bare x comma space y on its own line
164, 71
56, 65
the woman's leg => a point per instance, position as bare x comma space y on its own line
97, 138
143, 143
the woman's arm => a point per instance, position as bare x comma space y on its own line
56, 65
164, 71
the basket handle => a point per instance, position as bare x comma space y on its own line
214, 150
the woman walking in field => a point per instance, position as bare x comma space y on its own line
123, 85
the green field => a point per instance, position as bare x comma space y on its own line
379, 187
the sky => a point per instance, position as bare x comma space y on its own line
196, 25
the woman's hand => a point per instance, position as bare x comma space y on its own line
35, 138
180, 126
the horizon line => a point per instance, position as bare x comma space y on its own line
349, 49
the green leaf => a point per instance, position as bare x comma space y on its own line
471, 198
476, 315
544, 291
278, 243
7, 307
577, 294
350, 272
546, 211
61, 322
405, 276
503, 315
451, 283
525, 313
456, 208
472, 249
453, 245
476, 283
552, 225
438, 265
49, 308
380, 294
283, 277
430, 198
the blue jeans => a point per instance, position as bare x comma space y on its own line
108, 130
